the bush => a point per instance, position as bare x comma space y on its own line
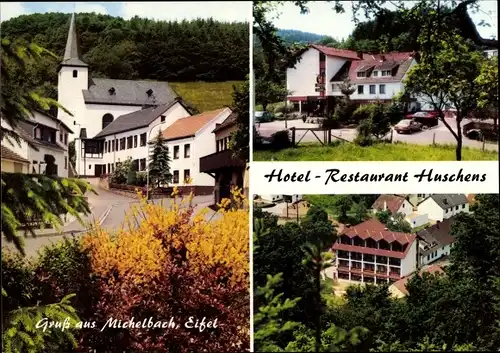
121, 173
18, 280
168, 267
363, 112
280, 108
141, 178
280, 140
332, 122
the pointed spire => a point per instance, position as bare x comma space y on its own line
72, 51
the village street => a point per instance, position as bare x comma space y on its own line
439, 134
108, 209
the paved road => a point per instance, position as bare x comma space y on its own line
440, 134
115, 217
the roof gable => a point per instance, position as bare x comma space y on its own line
445, 201
393, 203
189, 126
334, 52
397, 62
135, 120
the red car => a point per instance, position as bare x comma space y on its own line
427, 119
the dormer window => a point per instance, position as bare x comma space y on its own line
162, 118
361, 74
112, 91
375, 74
75, 73
386, 73
149, 92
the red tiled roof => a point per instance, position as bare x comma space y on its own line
11, 155
375, 230
387, 61
369, 251
393, 203
340, 53
401, 284
189, 126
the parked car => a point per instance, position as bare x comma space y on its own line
407, 126
263, 117
427, 119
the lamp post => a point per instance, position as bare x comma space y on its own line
147, 159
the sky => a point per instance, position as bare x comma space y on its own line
322, 19
173, 10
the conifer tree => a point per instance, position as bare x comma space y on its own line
159, 162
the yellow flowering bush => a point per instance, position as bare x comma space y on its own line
152, 232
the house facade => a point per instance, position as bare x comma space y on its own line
226, 170
42, 135
96, 103
436, 241
370, 253
393, 203
189, 139
315, 80
443, 206
13, 162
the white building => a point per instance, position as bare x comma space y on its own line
281, 198
435, 242
370, 253
96, 103
316, 77
393, 203
42, 135
491, 53
189, 139
443, 206
417, 220
127, 136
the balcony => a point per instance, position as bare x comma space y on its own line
369, 270
220, 160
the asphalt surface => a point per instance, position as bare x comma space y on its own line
439, 134
110, 209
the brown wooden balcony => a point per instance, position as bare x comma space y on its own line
220, 160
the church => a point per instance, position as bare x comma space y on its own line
111, 119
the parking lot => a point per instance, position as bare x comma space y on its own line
438, 134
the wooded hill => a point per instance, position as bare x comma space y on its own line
198, 50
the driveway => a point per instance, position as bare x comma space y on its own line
110, 209
440, 134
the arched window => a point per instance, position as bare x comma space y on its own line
75, 73
107, 119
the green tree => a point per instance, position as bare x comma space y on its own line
240, 138
360, 212
488, 88
159, 162
342, 205
445, 77
267, 92
268, 320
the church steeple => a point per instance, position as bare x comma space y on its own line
72, 51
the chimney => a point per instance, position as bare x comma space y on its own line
385, 205
360, 55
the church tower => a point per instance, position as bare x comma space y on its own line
72, 80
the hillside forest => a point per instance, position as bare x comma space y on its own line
187, 51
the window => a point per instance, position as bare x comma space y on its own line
360, 89
65, 139
463, 206
109, 148
372, 89
187, 175
175, 178
75, 73
61, 136
38, 133
129, 142
361, 74
105, 146
107, 119
456, 208
65, 162
142, 164
375, 74
122, 143
135, 141
495, 53
90, 166
162, 118
335, 87
113, 145
386, 73
187, 150
143, 139
381, 89
176, 152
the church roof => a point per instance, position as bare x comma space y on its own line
72, 51
128, 92
136, 120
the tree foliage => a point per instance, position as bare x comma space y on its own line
197, 50
159, 162
240, 138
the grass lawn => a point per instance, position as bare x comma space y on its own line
206, 95
379, 152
